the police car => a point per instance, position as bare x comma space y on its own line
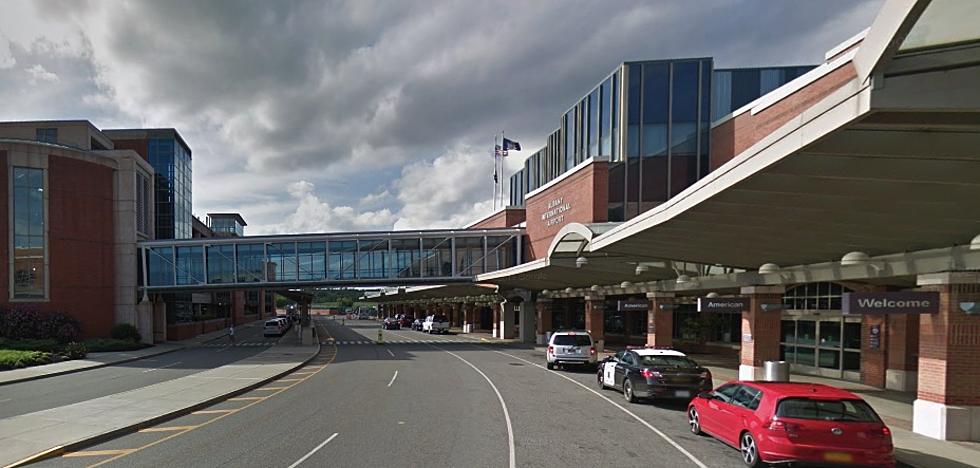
653, 373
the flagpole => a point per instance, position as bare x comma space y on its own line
502, 138
493, 151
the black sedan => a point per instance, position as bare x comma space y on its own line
391, 323
653, 373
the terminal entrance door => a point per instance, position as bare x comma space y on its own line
826, 344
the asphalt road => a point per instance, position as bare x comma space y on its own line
51, 392
450, 404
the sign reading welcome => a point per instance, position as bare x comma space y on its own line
900, 302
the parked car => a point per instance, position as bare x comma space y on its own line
273, 327
777, 422
405, 321
570, 347
436, 324
417, 324
391, 323
653, 373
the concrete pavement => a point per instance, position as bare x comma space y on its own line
59, 428
92, 361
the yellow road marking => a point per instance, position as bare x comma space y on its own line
247, 398
179, 433
304, 373
269, 389
168, 428
98, 453
290, 380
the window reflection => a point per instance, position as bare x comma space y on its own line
28, 232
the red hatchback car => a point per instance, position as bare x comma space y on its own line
776, 422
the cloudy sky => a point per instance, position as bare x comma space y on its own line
364, 114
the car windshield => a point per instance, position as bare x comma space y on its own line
572, 340
668, 361
827, 410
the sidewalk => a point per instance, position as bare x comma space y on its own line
92, 361
59, 429
894, 407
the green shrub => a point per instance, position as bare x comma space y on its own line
75, 350
26, 321
125, 331
48, 346
103, 345
15, 359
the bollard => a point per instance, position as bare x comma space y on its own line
381, 337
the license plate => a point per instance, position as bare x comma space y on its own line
839, 457
682, 393
577, 351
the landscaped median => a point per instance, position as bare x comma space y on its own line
33, 436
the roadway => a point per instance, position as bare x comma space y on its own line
418, 404
36, 395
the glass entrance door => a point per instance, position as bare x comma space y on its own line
825, 344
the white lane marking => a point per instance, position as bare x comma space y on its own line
5, 400
510, 428
163, 367
393, 379
389, 352
639, 419
318, 447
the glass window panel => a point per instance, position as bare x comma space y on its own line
830, 334
655, 107
806, 332
852, 361
614, 322
342, 259
605, 130
407, 258
721, 94
852, 335
312, 257
160, 261
787, 353
282, 261
635, 84
28, 232
372, 260
593, 123
788, 331
437, 259
614, 117
806, 356
745, 87
829, 359
251, 258
501, 253
469, 256
569, 146
221, 264
190, 265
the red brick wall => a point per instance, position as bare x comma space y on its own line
4, 230
763, 326
874, 361
738, 134
585, 191
139, 146
903, 342
80, 242
505, 218
949, 348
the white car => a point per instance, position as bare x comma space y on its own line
571, 347
273, 327
436, 324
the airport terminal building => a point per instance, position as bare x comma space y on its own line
823, 215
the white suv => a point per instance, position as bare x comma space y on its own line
571, 347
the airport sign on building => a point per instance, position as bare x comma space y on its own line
898, 302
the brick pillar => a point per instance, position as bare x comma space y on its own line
506, 329
660, 319
903, 352
948, 403
595, 320
455, 320
760, 330
543, 309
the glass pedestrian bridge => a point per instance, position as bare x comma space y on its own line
336, 259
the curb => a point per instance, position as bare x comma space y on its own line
56, 451
97, 366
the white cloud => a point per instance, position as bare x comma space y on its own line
7, 59
315, 215
37, 74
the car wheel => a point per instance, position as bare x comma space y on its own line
750, 451
694, 419
550, 366
628, 391
602, 386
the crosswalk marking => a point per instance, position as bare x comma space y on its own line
240, 345
396, 341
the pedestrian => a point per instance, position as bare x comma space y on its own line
231, 334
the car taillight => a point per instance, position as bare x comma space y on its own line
650, 374
791, 429
551, 350
592, 350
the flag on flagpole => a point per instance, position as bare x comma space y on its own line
511, 145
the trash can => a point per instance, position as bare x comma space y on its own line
776, 371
